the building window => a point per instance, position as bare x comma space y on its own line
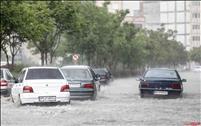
196, 3
196, 38
180, 17
163, 6
196, 26
180, 28
196, 15
180, 5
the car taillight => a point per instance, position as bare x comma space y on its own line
65, 88
3, 83
88, 86
144, 85
176, 86
27, 89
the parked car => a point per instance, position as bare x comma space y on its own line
196, 69
41, 85
7, 80
104, 74
84, 83
159, 81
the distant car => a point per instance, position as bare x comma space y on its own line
196, 69
104, 74
41, 85
83, 82
7, 80
161, 82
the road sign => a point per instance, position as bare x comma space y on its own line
75, 57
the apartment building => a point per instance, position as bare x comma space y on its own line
132, 6
195, 31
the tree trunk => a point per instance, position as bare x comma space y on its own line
51, 58
7, 57
42, 58
13, 60
46, 58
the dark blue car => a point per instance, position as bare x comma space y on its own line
161, 82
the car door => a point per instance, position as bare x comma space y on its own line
17, 87
9, 78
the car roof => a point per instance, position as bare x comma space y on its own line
162, 69
42, 67
76, 66
99, 68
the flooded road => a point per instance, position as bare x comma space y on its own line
118, 104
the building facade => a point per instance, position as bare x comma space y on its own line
180, 16
195, 31
151, 11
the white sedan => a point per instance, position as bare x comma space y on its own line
39, 85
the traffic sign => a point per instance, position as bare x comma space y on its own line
75, 57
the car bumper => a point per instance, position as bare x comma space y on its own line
103, 81
169, 91
81, 94
34, 98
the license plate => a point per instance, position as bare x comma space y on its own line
47, 98
74, 85
160, 92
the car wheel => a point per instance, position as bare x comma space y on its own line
7, 93
94, 96
180, 95
141, 94
99, 87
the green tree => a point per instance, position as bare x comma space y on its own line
15, 28
195, 54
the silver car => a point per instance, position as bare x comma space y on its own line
84, 83
7, 81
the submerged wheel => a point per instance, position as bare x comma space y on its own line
94, 96
141, 95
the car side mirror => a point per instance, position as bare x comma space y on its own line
97, 77
184, 80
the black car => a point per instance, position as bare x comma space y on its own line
159, 81
104, 74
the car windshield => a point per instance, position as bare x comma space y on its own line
43, 74
77, 74
100, 71
1, 73
161, 74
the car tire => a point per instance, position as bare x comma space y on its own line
69, 102
93, 98
7, 93
141, 94
99, 87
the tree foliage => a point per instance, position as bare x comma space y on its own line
195, 54
103, 39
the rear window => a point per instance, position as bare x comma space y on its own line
43, 74
161, 74
100, 71
77, 74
